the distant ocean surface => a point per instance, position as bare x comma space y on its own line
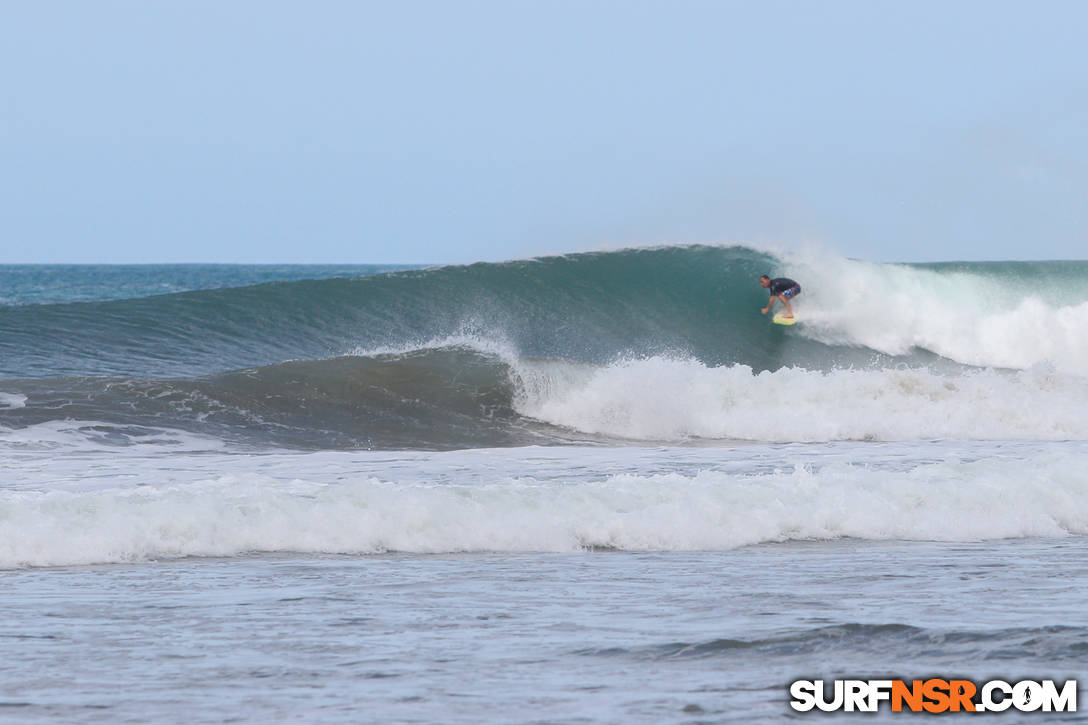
590, 488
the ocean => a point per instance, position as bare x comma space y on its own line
589, 488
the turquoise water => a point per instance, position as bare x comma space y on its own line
36, 284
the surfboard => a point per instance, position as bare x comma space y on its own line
780, 320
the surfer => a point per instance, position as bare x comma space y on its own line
782, 288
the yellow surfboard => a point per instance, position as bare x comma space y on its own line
780, 320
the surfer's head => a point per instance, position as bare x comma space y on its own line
764, 281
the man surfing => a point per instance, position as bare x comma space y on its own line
782, 288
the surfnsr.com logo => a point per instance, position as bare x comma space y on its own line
934, 695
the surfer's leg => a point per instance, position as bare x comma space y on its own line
785, 297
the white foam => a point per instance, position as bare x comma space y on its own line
676, 399
12, 400
484, 343
235, 506
968, 317
88, 435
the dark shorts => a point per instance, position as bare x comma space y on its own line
792, 292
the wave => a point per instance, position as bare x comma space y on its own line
449, 397
692, 301
663, 344
578, 307
1045, 643
460, 394
236, 507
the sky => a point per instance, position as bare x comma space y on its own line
456, 131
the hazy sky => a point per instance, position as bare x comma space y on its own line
455, 131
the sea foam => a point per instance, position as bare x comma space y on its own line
671, 399
230, 506
1013, 319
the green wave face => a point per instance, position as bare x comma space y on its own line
697, 301
659, 344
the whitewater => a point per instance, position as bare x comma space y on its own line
594, 487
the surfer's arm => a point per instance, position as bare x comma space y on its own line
770, 303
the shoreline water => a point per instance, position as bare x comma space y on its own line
591, 637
